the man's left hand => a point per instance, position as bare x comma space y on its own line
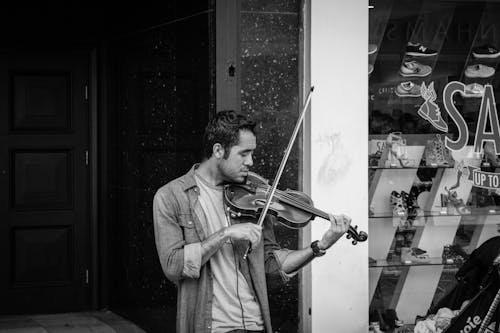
339, 226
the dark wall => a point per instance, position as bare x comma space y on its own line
269, 93
157, 82
161, 95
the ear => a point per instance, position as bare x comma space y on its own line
218, 151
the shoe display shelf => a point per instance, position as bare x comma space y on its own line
398, 91
406, 263
433, 228
423, 215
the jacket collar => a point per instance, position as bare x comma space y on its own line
188, 179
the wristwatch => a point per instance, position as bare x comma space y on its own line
317, 252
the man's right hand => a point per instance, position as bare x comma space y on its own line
245, 231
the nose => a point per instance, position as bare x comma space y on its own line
249, 160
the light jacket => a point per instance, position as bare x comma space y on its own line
178, 218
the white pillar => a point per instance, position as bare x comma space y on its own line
339, 160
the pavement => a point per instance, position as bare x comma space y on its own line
80, 322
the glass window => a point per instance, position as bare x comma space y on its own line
434, 198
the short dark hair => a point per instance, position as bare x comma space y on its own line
225, 129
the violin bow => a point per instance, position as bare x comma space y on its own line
282, 165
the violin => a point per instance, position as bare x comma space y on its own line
293, 209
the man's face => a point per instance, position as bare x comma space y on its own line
235, 168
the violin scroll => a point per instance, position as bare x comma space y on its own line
356, 236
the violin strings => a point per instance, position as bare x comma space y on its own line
299, 204
294, 201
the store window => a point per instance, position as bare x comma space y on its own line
434, 170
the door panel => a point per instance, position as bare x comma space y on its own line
43, 182
40, 101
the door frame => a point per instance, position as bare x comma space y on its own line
98, 178
95, 294
99, 220
93, 278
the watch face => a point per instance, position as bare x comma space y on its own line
316, 250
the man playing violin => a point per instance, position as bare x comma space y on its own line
201, 248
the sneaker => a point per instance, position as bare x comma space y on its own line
485, 52
408, 89
370, 69
479, 70
418, 251
418, 50
413, 68
473, 90
372, 48
408, 256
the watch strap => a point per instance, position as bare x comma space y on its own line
317, 252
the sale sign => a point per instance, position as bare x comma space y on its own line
487, 129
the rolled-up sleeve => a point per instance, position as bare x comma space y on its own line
177, 259
274, 255
192, 260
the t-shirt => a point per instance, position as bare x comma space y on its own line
234, 305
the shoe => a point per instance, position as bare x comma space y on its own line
459, 204
490, 154
372, 48
410, 203
398, 204
473, 90
408, 256
390, 318
408, 89
377, 322
453, 254
418, 251
485, 52
479, 70
374, 327
429, 110
457, 250
397, 157
436, 153
418, 50
374, 158
370, 69
413, 68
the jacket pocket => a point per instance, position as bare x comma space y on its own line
188, 228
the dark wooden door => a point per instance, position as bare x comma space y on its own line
44, 127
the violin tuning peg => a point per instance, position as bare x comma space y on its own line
355, 227
348, 236
239, 214
354, 242
233, 215
228, 208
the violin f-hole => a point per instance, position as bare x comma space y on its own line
260, 202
